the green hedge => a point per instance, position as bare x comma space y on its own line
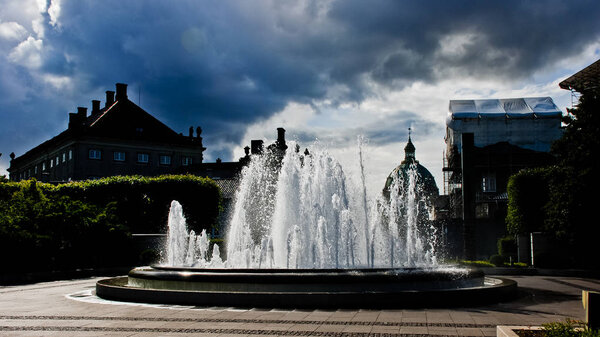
143, 202
89, 223
507, 247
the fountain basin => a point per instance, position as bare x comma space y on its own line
308, 288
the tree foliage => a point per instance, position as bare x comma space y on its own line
561, 200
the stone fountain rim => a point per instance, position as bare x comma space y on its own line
378, 275
500, 290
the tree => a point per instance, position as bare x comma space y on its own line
561, 200
573, 197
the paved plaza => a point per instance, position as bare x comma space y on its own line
69, 308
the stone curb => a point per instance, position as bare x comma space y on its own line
509, 330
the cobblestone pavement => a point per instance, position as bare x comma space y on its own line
69, 308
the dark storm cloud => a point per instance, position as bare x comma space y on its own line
224, 65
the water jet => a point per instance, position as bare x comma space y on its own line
302, 235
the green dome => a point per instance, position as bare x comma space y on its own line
424, 178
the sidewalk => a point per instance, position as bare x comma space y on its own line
69, 308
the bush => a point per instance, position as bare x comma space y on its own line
478, 264
569, 328
143, 202
507, 247
149, 257
497, 260
87, 224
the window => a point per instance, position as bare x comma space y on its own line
51, 163
118, 156
95, 154
43, 166
482, 211
186, 161
64, 159
143, 158
165, 160
57, 160
35, 169
488, 182
70, 154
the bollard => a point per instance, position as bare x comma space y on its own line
591, 305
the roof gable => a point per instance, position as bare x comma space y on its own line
124, 119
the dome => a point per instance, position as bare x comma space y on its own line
425, 179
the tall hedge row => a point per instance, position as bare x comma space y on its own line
89, 223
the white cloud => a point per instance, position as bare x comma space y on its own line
54, 12
59, 82
27, 53
12, 31
455, 45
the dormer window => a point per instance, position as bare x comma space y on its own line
139, 131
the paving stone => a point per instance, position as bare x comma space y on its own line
43, 309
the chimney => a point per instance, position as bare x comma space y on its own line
75, 120
82, 112
110, 98
95, 106
281, 139
256, 146
281, 135
121, 91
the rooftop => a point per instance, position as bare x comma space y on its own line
514, 108
586, 79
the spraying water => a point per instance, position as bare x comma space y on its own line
298, 211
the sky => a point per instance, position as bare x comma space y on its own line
323, 69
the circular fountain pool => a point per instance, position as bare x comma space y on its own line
307, 288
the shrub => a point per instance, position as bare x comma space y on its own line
507, 247
143, 202
479, 264
88, 224
149, 257
569, 328
497, 260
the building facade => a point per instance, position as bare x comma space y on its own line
117, 139
487, 141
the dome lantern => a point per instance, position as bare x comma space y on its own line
409, 151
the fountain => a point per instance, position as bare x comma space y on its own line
302, 235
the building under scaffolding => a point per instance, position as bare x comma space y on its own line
487, 141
